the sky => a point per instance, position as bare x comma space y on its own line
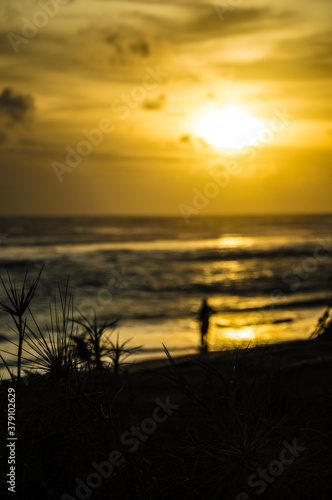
165, 107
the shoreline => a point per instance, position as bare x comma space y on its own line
310, 360
317, 346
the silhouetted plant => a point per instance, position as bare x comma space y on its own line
89, 344
324, 324
119, 352
16, 306
82, 350
55, 353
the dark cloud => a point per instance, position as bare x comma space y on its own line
127, 43
140, 47
185, 138
115, 40
154, 104
15, 108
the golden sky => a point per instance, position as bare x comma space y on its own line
141, 107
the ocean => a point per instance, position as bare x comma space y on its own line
266, 277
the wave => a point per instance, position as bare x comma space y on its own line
180, 251
289, 305
279, 321
184, 314
240, 254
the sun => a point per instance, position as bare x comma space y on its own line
230, 128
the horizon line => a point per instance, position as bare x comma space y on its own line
175, 216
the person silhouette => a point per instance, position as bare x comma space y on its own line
204, 318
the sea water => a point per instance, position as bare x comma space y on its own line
265, 277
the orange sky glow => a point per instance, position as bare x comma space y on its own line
129, 107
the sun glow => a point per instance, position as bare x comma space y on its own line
230, 128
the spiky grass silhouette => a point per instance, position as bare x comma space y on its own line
118, 353
89, 344
93, 348
17, 304
55, 353
61, 348
324, 324
232, 429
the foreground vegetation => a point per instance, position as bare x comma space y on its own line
241, 424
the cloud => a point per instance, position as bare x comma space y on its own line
186, 138
193, 141
201, 22
128, 43
154, 104
15, 108
140, 47
236, 22
306, 58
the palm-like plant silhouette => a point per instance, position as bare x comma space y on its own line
119, 352
92, 348
55, 353
17, 304
324, 324
89, 345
